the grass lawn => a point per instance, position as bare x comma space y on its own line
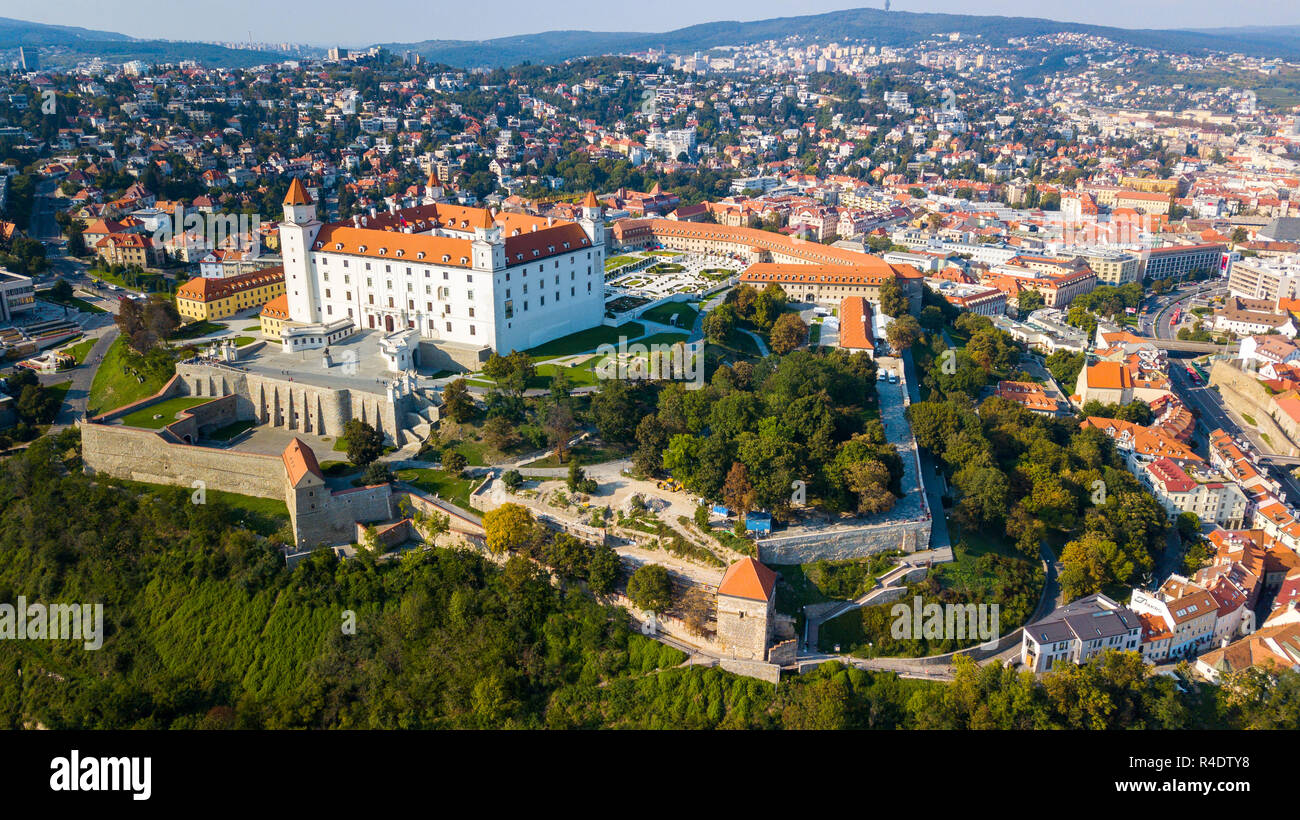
685, 311
587, 453
230, 430
78, 303
438, 482
618, 261
240, 341
963, 571
742, 344
167, 409
80, 350
334, 469
253, 328
586, 341
195, 329
113, 387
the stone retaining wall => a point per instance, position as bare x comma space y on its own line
836, 545
143, 455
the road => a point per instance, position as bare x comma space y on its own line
1211, 414
74, 403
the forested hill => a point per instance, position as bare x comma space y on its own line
894, 28
207, 629
63, 46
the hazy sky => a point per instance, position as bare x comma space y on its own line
360, 22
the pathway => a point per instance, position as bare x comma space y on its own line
74, 402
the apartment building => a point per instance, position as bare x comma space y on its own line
1079, 630
1265, 279
1187, 613
1113, 268
1211, 497
1181, 260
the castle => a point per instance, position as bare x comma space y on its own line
460, 279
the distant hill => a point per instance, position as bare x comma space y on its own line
66, 45
894, 28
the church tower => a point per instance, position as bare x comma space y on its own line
297, 234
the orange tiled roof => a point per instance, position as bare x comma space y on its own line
300, 461
856, 331
277, 308
204, 289
297, 195
747, 578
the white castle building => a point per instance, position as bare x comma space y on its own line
463, 278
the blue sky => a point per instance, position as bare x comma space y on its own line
358, 22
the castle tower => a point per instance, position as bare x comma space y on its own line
305, 491
432, 189
746, 603
297, 233
592, 223
489, 245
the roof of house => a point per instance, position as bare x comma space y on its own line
1109, 376
208, 289
277, 308
855, 324
749, 579
300, 461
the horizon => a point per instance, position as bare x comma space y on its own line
229, 23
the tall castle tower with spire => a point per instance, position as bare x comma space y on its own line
297, 233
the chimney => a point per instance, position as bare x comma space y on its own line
356, 220
550, 220
373, 211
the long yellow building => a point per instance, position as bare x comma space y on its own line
212, 298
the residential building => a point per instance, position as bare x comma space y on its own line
1078, 631
207, 299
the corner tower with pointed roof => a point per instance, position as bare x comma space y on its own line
746, 602
297, 233
592, 223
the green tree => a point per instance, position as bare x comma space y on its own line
719, 323
456, 401
788, 333
364, 443
508, 528
892, 301
511, 373
650, 588
903, 332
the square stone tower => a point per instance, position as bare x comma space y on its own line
746, 600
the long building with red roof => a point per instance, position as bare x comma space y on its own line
807, 271
462, 276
